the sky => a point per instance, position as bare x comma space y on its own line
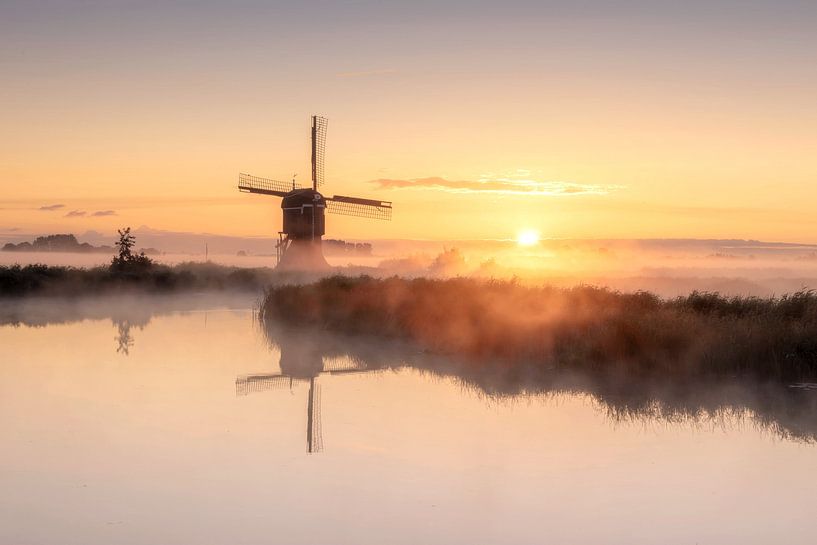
582, 119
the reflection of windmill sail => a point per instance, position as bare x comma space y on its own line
305, 356
260, 383
249, 384
314, 438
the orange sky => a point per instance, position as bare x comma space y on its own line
647, 121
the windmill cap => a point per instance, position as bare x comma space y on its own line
301, 197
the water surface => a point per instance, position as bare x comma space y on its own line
149, 421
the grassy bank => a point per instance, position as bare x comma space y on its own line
517, 329
18, 281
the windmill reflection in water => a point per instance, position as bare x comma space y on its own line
303, 360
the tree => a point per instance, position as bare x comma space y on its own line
449, 262
126, 242
127, 260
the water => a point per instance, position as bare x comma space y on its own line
147, 421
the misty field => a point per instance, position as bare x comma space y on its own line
505, 323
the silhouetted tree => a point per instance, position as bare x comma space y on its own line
127, 260
126, 242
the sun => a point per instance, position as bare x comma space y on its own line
527, 237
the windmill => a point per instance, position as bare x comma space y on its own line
299, 241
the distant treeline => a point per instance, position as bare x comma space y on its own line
520, 329
332, 246
64, 243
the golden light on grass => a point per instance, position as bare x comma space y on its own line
527, 237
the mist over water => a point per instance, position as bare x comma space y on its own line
185, 420
668, 268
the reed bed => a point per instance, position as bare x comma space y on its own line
512, 326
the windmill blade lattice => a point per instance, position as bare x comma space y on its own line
362, 208
319, 125
253, 184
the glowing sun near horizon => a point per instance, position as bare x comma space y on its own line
527, 237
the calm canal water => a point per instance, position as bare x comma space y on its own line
178, 421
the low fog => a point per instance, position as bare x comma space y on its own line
667, 268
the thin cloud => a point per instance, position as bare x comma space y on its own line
75, 214
102, 213
498, 186
366, 73
51, 207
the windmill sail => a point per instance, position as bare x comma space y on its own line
253, 184
362, 208
318, 150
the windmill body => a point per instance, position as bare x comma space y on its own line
303, 226
303, 209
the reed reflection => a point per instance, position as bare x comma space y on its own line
787, 410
